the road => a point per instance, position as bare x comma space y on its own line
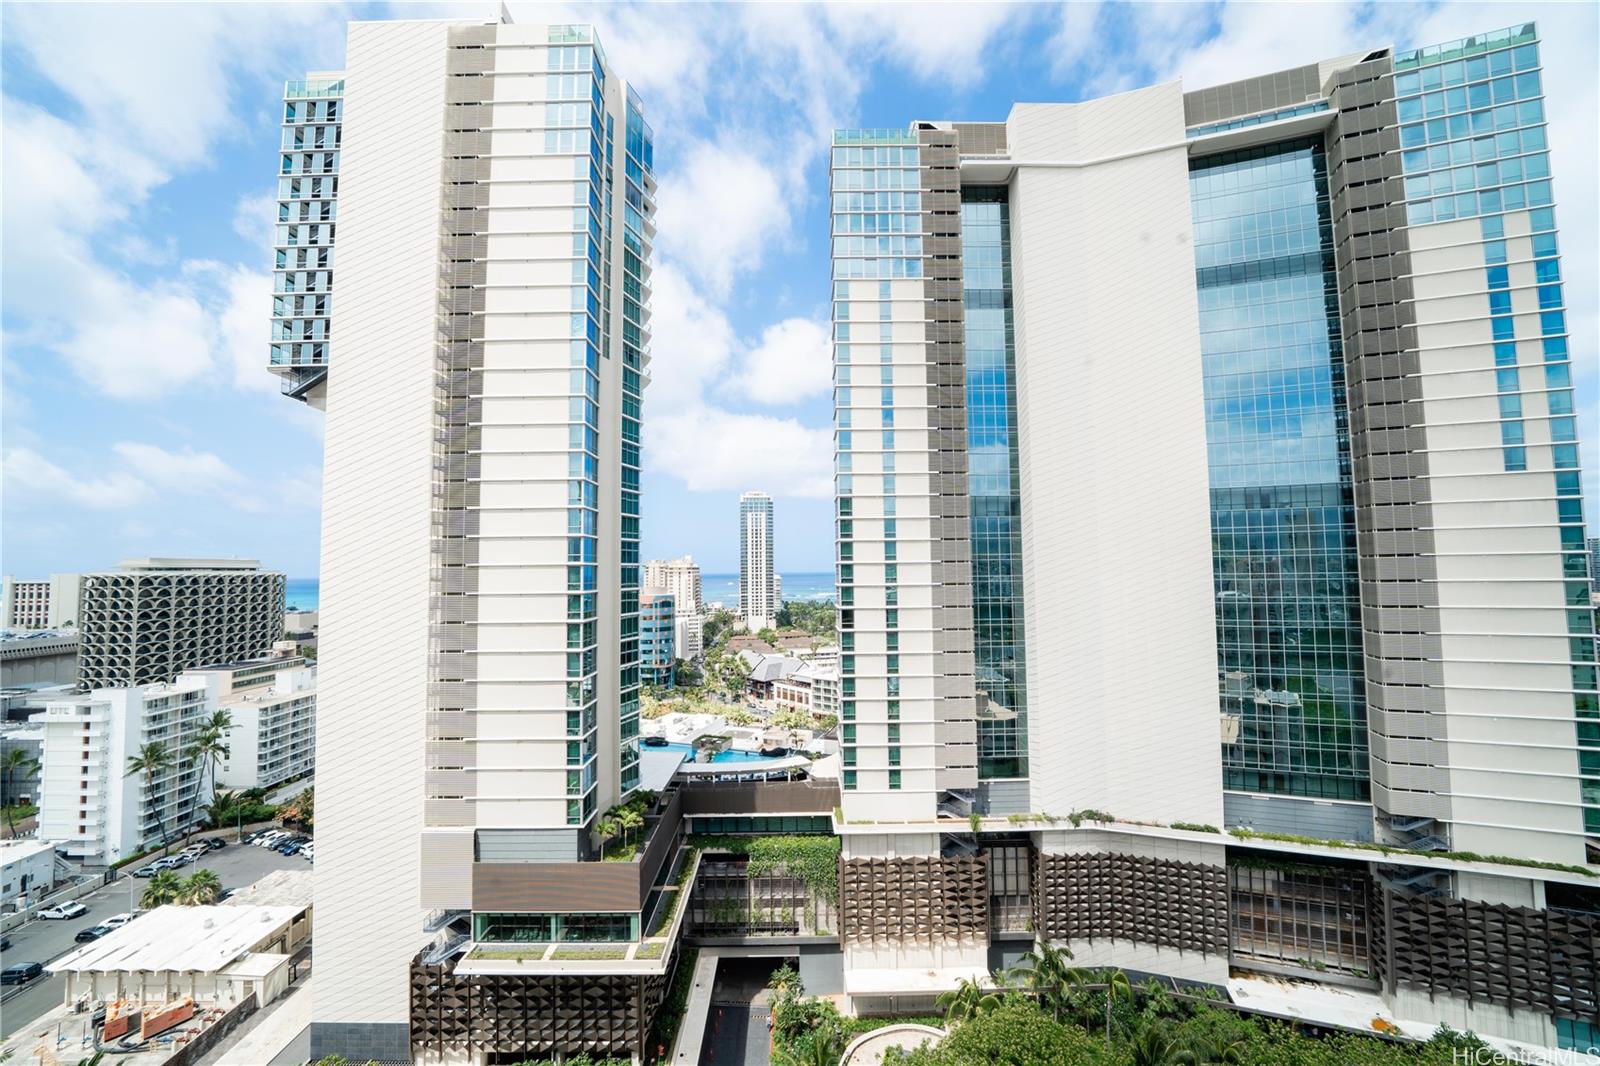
44, 941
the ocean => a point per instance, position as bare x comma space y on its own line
714, 588
301, 594
724, 588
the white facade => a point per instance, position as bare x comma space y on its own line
1509, 763
274, 733
758, 602
88, 802
468, 459
681, 577
46, 604
27, 870
1111, 722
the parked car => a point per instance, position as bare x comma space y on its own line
179, 859
194, 851
215, 843
94, 932
149, 870
73, 909
5, 943
21, 973
117, 921
267, 839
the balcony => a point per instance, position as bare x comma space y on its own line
584, 886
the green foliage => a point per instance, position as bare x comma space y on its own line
664, 1030
1154, 1028
813, 859
816, 618
1089, 814
792, 719
1195, 827
1460, 856
975, 820
719, 626
967, 1001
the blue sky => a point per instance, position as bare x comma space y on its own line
140, 147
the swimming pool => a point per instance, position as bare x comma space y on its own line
729, 756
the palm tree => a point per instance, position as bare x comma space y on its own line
1045, 973
966, 1001
200, 887
825, 1049
1117, 987
207, 748
17, 761
153, 758
1156, 1044
219, 724
607, 827
630, 818
163, 888
220, 808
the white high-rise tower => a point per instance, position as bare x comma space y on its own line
758, 602
480, 567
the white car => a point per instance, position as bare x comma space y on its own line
117, 921
65, 910
272, 838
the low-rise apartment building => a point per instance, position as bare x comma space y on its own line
273, 738
89, 804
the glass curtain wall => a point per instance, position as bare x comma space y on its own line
1283, 530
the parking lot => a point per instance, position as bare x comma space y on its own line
44, 941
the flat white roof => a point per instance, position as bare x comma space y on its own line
280, 888
27, 848
256, 964
205, 939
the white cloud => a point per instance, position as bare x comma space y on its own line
691, 341
31, 472
255, 217
151, 91
136, 473
244, 328
723, 210
793, 361
945, 43
134, 342
713, 450
186, 471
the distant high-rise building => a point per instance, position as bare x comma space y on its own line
308, 193
1341, 364
681, 577
152, 619
1594, 564
758, 604
657, 637
480, 561
48, 604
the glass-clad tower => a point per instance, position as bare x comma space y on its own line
1398, 632
308, 194
1278, 451
998, 644
758, 602
480, 565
